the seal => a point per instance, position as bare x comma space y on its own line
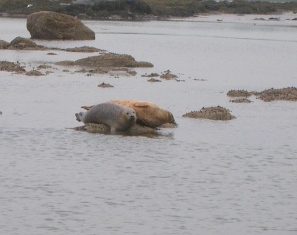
117, 117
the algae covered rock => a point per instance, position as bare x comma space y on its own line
289, 94
107, 60
55, 26
213, 113
104, 129
239, 93
11, 67
24, 43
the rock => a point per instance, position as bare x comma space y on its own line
107, 60
154, 80
105, 85
150, 75
4, 44
11, 67
51, 26
101, 128
259, 19
289, 93
148, 114
24, 44
34, 73
84, 49
213, 113
241, 100
239, 93
274, 18
168, 75
44, 66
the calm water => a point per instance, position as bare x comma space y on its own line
205, 177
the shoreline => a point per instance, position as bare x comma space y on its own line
202, 17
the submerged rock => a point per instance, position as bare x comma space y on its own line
213, 113
11, 67
168, 75
101, 128
34, 73
241, 100
107, 60
51, 26
239, 93
84, 49
154, 80
289, 94
105, 85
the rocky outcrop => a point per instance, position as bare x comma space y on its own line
213, 113
55, 26
148, 114
11, 67
288, 93
107, 60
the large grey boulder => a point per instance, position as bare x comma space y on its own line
52, 26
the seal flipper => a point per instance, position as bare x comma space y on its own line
79, 116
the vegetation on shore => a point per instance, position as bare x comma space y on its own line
137, 9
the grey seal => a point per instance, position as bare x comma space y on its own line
117, 117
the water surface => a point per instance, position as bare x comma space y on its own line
205, 177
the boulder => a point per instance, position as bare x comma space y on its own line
52, 26
3, 44
148, 114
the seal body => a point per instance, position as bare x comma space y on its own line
117, 117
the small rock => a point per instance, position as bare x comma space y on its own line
153, 80
11, 67
239, 93
105, 85
151, 75
84, 49
213, 113
168, 75
4, 44
34, 73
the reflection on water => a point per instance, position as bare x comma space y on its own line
204, 177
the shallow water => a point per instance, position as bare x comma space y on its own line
205, 177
